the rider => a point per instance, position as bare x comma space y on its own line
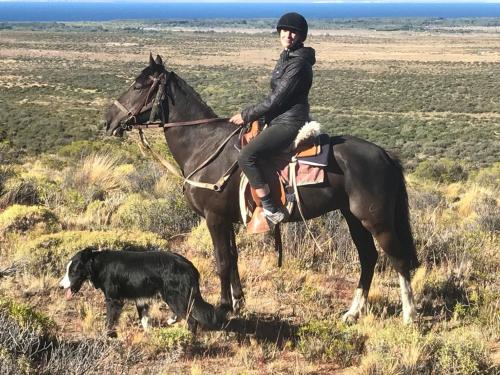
285, 109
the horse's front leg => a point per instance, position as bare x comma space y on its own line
226, 257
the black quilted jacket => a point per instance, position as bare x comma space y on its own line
290, 83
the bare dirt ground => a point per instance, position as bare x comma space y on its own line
339, 48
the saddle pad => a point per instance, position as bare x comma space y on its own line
321, 159
307, 174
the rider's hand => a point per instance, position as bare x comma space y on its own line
237, 119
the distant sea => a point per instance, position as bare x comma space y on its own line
71, 11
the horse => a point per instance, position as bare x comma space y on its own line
363, 181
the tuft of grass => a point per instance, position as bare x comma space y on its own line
97, 176
20, 191
331, 341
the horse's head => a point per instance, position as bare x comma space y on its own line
146, 94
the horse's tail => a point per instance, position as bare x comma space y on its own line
208, 316
402, 217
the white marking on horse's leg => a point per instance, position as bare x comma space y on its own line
65, 282
358, 305
409, 312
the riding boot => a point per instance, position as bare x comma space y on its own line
274, 214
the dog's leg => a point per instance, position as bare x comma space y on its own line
113, 311
143, 311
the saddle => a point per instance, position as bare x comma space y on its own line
303, 163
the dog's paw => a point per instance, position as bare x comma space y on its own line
172, 320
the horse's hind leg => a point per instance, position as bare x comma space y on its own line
368, 255
389, 241
236, 289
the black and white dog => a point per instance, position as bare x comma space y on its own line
140, 276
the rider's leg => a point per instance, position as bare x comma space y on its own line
270, 142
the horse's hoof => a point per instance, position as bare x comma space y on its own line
112, 334
238, 305
350, 318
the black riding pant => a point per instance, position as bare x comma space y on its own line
271, 141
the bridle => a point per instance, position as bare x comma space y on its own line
161, 98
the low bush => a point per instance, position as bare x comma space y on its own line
172, 341
27, 317
21, 219
166, 216
463, 352
395, 349
488, 177
441, 171
331, 341
26, 349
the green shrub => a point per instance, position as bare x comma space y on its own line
49, 253
395, 349
171, 339
199, 238
27, 317
331, 341
122, 150
442, 171
463, 352
488, 177
21, 219
165, 216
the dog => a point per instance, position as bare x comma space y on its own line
140, 276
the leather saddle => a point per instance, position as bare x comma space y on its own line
305, 158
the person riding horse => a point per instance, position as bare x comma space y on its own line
285, 109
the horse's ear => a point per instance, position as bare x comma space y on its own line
158, 60
151, 60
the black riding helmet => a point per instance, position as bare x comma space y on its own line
295, 22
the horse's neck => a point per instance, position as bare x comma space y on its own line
188, 144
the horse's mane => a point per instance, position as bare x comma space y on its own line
190, 92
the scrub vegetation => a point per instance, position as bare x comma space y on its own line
426, 90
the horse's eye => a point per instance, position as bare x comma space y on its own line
137, 86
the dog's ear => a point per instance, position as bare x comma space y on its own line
87, 254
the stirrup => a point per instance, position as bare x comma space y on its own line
276, 217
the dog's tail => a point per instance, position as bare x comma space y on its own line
208, 316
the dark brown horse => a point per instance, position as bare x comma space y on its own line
364, 182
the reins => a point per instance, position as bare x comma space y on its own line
154, 106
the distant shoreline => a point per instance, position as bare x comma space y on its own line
66, 11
